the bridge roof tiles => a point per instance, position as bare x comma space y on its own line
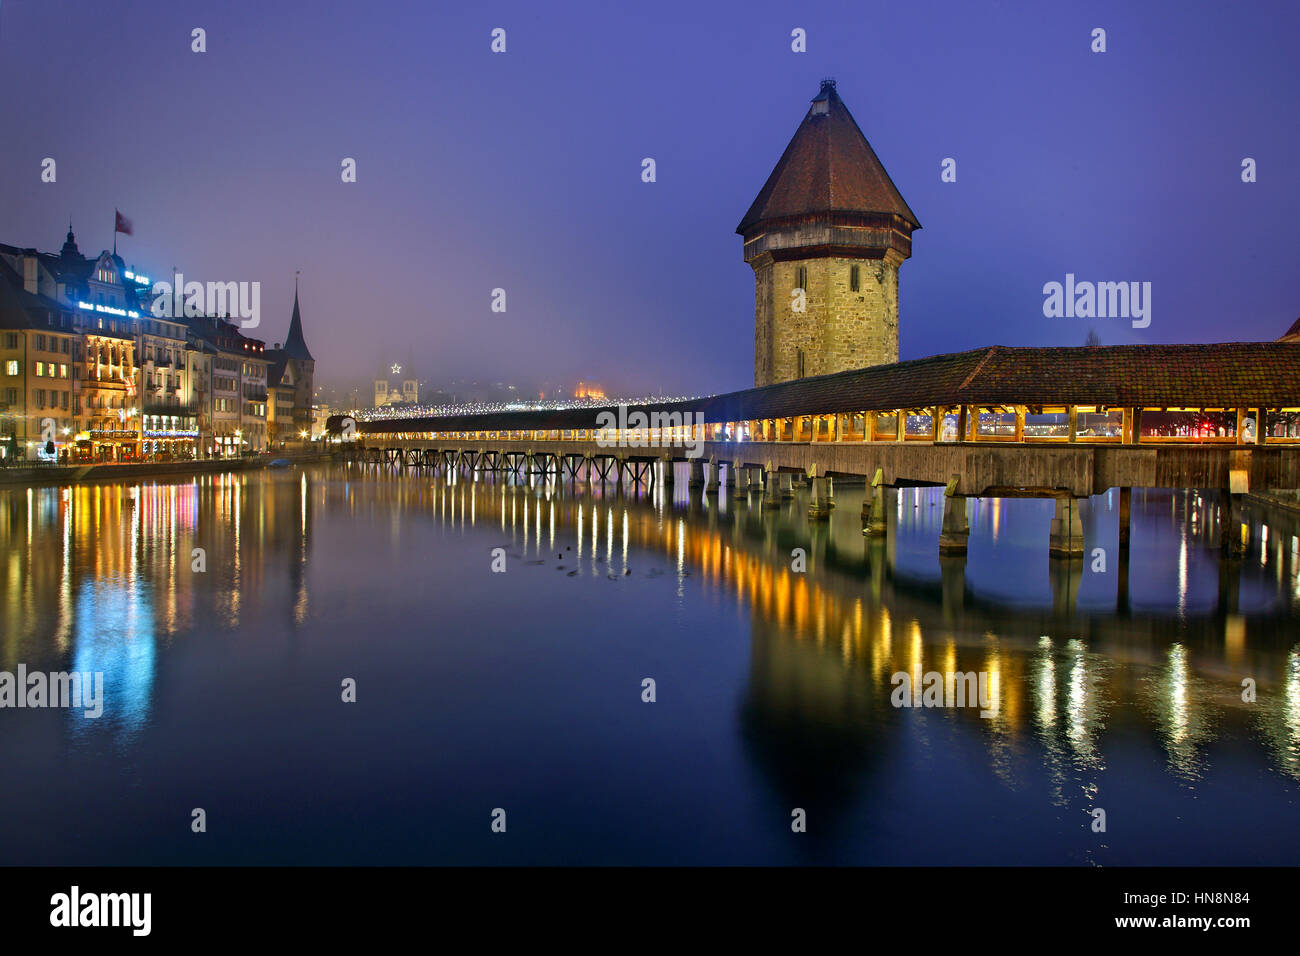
1230, 375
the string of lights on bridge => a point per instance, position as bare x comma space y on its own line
388, 413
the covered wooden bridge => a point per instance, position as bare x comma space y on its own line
1065, 423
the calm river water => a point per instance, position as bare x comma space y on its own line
522, 690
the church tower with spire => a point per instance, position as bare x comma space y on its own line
291, 375
825, 238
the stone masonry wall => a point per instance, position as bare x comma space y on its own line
840, 329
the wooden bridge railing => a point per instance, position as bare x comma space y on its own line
944, 424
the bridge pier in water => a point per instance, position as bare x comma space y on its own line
666, 470
954, 535
1125, 519
737, 481
772, 487
875, 520
819, 499
1067, 529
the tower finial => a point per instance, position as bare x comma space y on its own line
822, 101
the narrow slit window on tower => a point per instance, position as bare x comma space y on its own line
801, 278
799, 370
853, 279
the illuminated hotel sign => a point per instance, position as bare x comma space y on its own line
192, 434
110, 310
142, 280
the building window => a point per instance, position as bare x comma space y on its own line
854, 273
801, 278
11, 367
11, 341
40, 369
799, 373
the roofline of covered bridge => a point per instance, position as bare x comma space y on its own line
1113, 380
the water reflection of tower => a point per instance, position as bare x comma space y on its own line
298, 566
811, 723
284, 537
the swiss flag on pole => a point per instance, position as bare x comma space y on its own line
123, 225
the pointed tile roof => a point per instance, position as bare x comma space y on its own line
294, 345
829, 167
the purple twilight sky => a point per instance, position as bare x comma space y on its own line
522, 170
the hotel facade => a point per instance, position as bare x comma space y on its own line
88, 372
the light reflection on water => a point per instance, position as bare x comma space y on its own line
1104, 680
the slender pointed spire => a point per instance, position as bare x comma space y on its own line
295, 346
